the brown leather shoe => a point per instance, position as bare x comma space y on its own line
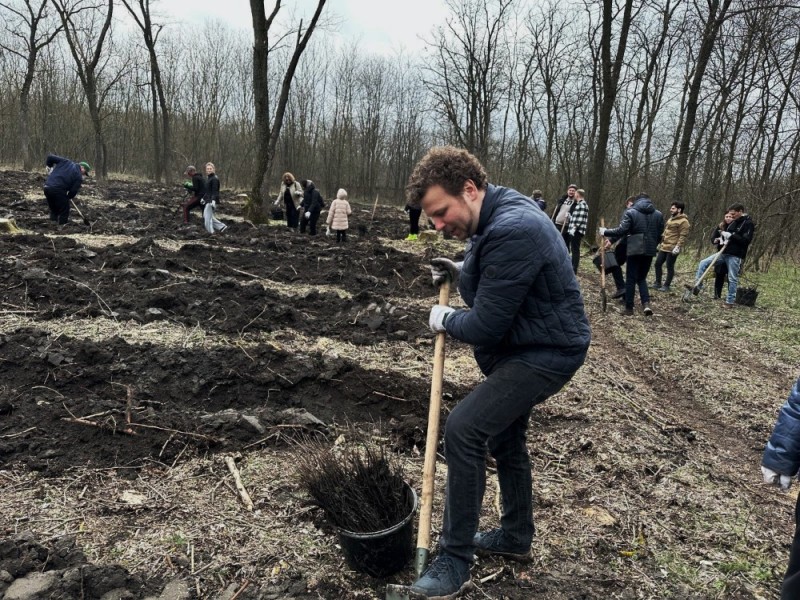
727, 305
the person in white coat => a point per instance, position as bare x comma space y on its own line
337, 216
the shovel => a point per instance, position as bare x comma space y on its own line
695, 289
80, 214
603, 295
401, 592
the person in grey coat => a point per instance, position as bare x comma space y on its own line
525, 319
779, 466
642, 220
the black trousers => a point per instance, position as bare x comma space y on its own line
341, 235
575, 250
413, 220
669, 258
291, 214
790, 590
58, 202
311, 221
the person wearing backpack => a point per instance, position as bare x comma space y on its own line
310, 207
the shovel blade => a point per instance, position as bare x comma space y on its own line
401, 592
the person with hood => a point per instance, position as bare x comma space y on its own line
642, 226
196, 187
675, 233
311, 206
525, 318
337, 216
291, 192
210, 200
64, 180
779, 466
736, 239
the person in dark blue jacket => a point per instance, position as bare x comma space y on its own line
640, 219
63, 182
779, 465
527, 324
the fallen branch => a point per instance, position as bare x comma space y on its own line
241, 589
248, 503
77, 421
19, 433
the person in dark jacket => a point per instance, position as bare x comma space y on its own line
779, 465
642, 218
720, 268
536, 196
525, 319
563, 212
736, 239
210, 200
619, 246
196, 188
310, 207
63, 182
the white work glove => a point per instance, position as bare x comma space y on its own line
327, 230
308, 215
676, 250
214, 204
773, 478
277, 201
726, 235
438, 316
48, 170
202, 202
602, 230
443, 269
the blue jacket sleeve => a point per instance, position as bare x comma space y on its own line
53, 159
623, 228
782, 453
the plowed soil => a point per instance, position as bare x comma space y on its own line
136, 353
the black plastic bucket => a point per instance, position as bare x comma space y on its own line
381, 553
746, 296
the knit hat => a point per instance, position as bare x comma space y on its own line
86, 166
342, 193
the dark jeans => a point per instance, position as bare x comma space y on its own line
190, 203
291, 214
636, 275
670, 259
494, 414
310, 221
341, 235
58, 202
413, 220
619, 279
575, 250
790, 590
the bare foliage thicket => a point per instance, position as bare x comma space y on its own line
686, 100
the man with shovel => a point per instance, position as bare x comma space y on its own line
735, 241
63, 182
526, 321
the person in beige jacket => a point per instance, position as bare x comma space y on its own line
675, 232
291, 192
337, 216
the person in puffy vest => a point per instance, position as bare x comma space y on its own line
337, 216
310, 207
563, 211
525, 318
64, 180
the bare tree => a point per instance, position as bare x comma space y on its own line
29, 25
162, 138
81, 20
267, 133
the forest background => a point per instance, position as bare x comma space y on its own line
687, 100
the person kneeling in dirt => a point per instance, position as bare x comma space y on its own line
530, 334
337, 216
209, 201
196, 188
311, 206
63, 182
779, 465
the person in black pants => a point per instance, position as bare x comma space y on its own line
63, 182
311, 206
197, 188
414, 211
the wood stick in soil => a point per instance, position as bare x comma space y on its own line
237, 479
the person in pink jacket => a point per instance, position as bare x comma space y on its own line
337, 216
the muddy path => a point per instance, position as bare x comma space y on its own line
138, 352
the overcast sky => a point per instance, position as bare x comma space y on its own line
381, 26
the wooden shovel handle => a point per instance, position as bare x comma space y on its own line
602, 256
432, 438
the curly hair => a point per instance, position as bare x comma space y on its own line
447, 166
